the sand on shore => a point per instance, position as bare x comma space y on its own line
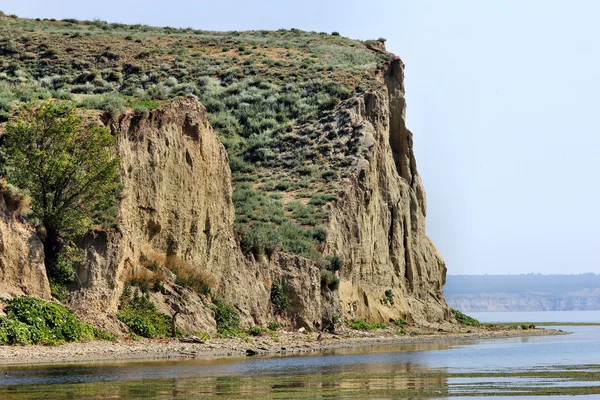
283, 343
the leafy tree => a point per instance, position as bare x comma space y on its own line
64, 162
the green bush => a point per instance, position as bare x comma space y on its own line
361, 324
465, 319
278, 297
259, 239
34, 321
330, 280
112, 103
227, 319
335, 263
319, 234
399, 322
273, 326
389, 296
254, 331
142, 318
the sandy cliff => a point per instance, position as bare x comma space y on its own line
378, 225
177, 205
22, 270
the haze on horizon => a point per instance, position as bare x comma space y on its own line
502, 98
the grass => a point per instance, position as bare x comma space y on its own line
362, 325
155, 268
271, 95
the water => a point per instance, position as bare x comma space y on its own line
559, 365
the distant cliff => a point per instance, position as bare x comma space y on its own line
523, 292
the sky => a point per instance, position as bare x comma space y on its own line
503, 99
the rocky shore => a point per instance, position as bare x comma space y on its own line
283, 343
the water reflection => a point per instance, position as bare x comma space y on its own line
431, 370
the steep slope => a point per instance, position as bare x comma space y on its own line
22, 269
378, 225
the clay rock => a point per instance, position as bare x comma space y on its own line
22, 270
378, 224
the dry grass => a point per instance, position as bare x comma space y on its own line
15, 202
155, 266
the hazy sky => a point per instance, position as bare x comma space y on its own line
503, 100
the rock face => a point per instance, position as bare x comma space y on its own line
177, 204
22, 270
378, 225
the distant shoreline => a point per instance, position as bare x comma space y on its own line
288, 343
544, 323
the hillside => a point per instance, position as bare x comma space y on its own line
531, 292
264, 165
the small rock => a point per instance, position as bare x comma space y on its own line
302, 330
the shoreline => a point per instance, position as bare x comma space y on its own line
284, 344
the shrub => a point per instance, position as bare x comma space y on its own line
335, 263
227, 319
34, 321
330, 280
278, 297
142, 318
254, 331
297, 240
334, 33
111, 103
399, 322
465, 319
260, 238
330, 175
389, 296
361, 324
321, 199
319, 234
273, 326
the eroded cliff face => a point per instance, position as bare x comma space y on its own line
378, 225
177, 203
22, 270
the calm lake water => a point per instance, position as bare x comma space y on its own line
558, 365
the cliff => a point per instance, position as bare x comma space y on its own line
378, 224
530, 292
310, 159
583, 300
22, 269
178, 204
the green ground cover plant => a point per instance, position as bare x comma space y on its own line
141, 316
362, 325
465, 319
31, 320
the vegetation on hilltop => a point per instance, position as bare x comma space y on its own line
271, 95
